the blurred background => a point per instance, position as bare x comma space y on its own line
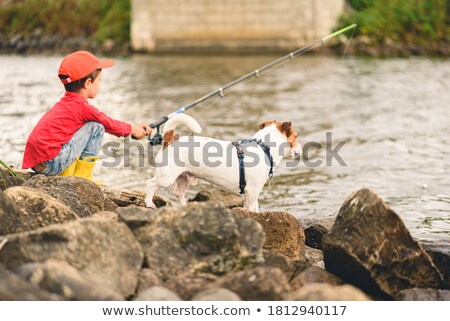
383, 89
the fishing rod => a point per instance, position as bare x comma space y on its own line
157, 138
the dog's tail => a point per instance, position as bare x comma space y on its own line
182, 119
169, 135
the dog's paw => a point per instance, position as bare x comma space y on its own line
150, 204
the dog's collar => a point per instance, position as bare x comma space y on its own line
240, 153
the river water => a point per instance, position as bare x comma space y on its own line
391, 115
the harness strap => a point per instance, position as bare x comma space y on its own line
240, 154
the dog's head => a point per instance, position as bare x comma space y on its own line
292, 148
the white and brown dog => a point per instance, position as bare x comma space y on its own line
184, 159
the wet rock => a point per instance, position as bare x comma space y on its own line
216, 195
157, 293
100, 248
315, 229
282, 230
216, 294
36, 209
314, 274
82, 196
424, 295
14, 288
328, 292
63, 279
188, 285
369, 246
147, 279
9, 216
439, 250
258, 284
196, 238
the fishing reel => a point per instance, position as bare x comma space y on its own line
157, 138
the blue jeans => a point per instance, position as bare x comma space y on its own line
85, 142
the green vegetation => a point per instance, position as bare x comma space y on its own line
3, 179
96, 20
418, 21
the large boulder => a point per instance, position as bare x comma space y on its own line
370, 247
82, 196
197, 238
37, 209
283, 232
63, 279
100, 248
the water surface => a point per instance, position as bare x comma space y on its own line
393, 115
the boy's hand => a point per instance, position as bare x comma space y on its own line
140, 131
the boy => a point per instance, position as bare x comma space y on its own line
67, 139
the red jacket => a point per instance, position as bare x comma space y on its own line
59, 125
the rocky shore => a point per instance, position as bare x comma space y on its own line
65, 238
361, 45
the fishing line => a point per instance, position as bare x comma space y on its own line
157, 138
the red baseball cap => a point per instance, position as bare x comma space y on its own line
80, 64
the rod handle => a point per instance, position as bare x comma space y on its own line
159, 122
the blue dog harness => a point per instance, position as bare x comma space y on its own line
240, 154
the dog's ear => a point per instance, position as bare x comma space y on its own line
266, 123
287, 128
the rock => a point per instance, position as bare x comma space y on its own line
216, 294
110, 206
314, 274
13, 288
283, 232
147, 279
314, 257
187, 285
63, 279
216, 195
369, 246
136, 217
328, 292
9, 216
289, 266
82, 196
316, 229
258, 284
106, 214
157, 293
439, 250
37, 209
125, 197
100, 248
424, 295
193, 239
